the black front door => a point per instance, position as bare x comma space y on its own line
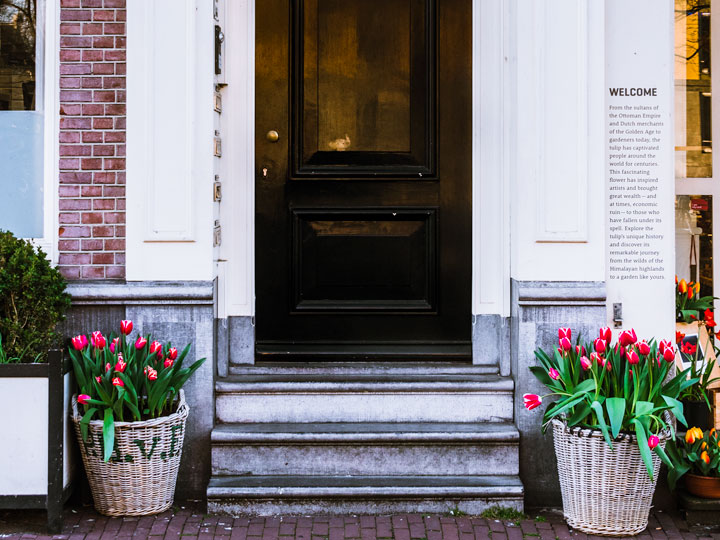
363, 179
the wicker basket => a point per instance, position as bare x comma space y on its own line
604, 492
139, 478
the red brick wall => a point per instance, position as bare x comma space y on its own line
92, 139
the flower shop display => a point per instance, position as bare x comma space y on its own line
610, 418
35, 458
129, 418
696, 458
689, 305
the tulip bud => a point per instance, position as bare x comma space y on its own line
155, 346
633, 358
595, 357
117, 381
627, 337
151, 374
77, 343
120, 366
83, 399
606, 335
126, 327
630, 374
600, 345
679, 336
554, 374
669, 354
704, 456
172, 353
168, 363
564, 333
682, 286
608, 365
580, 350
653, 441
643, 348
690, 292
98, 379
140, 343
531, 401
565, 344
585, 362
107, 366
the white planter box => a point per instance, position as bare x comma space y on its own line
36, 452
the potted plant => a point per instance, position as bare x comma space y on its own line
610, 420
689, 305
35, 389
696, 457
129, 419
698, 357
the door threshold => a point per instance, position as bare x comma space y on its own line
385, 352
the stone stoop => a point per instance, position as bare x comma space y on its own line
362, 438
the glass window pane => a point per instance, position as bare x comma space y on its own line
694, 240
21, 120
693, 93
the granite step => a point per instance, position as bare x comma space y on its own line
362, 368
462, 449
323, 495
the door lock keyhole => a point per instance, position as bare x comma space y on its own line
264, 171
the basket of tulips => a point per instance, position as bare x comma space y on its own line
129, 419
610, 415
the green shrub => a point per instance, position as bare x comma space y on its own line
32, 300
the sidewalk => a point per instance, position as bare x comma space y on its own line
82, 523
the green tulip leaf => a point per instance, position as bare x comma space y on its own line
643, 446
597, 407
676, 407
108, 434
616, 411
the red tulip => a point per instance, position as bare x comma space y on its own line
564, 333
554, 374
172, 353
643, 348
606, 335
83, 399
98, 379
580, 350
679, 336
84, 340
653, 441
600, 345
608, 365
77, 343
140, 343
113, 345
633, 358
107, 366
565, 344
531, 401
586, 363
669, 354
117, 381
168, 363
126, 327
155, 346
710, 318
595, 357
627, 337
664, 344
630, 374
120, 366
151, 373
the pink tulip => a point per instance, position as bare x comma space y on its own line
606, 335
140, 343
77, 343
564, 333
531, 401
586, 363
83, 399
633, 358
643, 348
600, 345
608, 365
554, 374
98, 379
627, 337
113, 345
565, 344
117, 381
653, 441
595, 357
84, 340
126, 327
172, 353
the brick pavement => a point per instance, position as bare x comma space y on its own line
83, 523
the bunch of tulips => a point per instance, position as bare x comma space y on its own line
689, 304
120, 379
620, 387
697, 453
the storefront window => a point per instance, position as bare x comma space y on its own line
21, 118
694, 240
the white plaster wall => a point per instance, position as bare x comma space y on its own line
557, 141
170, 140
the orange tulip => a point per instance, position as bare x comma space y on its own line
697, 288
690, 292
682, 286
704, 456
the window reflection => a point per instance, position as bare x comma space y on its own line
18, 20
693, 134
694, 240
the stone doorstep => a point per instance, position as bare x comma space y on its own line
701, 514
363, 368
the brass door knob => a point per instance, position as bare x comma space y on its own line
272, 136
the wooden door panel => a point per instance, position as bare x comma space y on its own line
363, 243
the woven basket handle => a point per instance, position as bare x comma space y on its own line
183, 408
74, 405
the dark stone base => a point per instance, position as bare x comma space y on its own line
700, 514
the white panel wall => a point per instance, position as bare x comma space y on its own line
558, 154
170, 135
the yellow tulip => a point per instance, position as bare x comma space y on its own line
682, 287
704, 456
